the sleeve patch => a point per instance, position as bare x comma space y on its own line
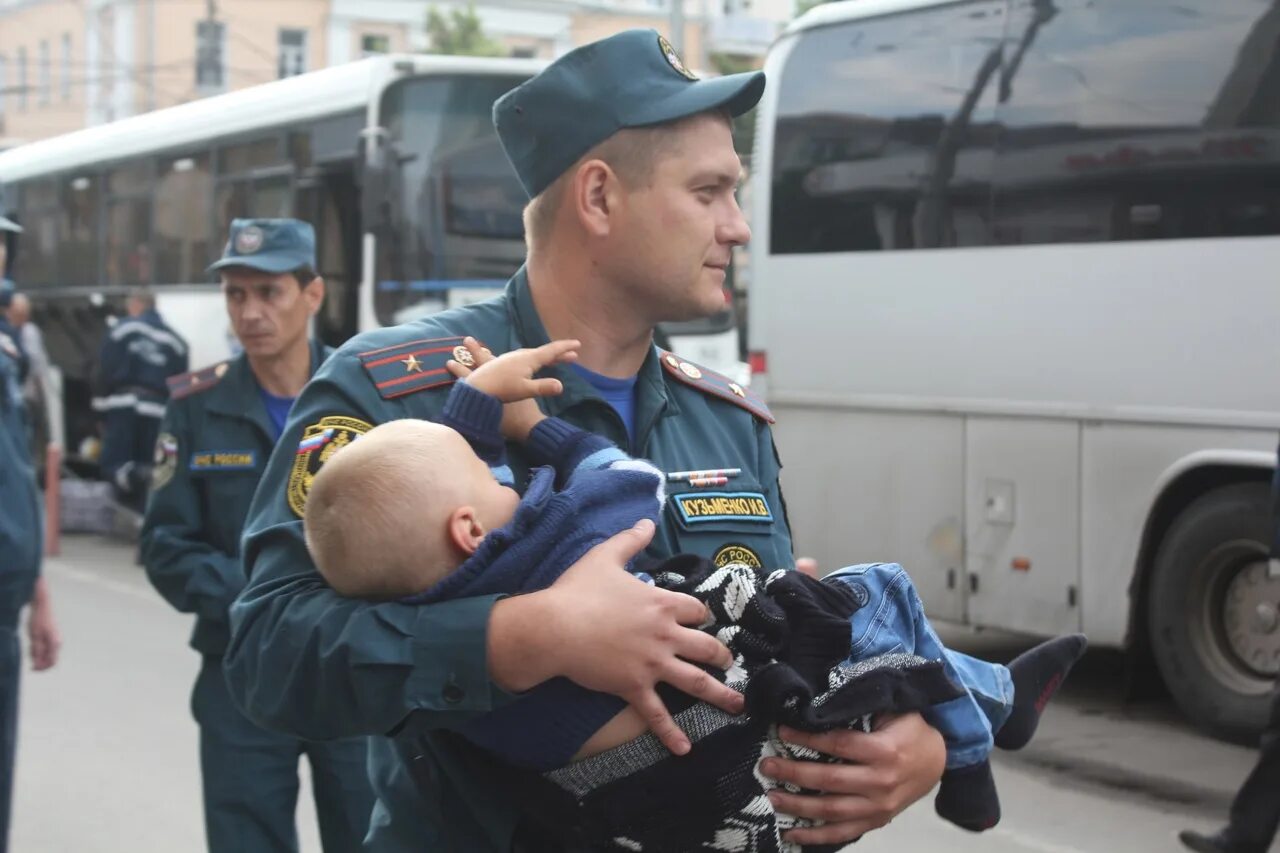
413, 366
165, 462
319, 442
712, 383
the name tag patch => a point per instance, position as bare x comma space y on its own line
223, 460
702, 507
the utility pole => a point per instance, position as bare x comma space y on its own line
677, 25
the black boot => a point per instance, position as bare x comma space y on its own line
1216, 843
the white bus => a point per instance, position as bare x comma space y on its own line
1015, 297
393, 159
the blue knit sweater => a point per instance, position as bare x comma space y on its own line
590, 491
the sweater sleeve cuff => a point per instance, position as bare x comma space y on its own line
478, 417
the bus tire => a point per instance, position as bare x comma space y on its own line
1217, 651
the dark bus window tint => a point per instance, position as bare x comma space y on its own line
885, 132
231, 201
128, 250
35, 264
184, 196
272, 197
456, 202
336, 138
78, 263
258, 154
131, 178
1139, 120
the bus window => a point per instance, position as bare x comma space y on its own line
78, 247
892, 149
35, 262
247, 156
1139, 121
128, 224
457, 232
184, 198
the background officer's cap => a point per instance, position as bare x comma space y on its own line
269, 245
632, 79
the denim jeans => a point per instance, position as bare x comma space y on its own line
891, 619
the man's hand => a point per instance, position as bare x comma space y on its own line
808, 566
509, 377
606, 630
887, 770
42, 630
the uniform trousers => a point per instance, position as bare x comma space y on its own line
1255, 812
15, 592
251, 779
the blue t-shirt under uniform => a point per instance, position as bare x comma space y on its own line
619, 393
277, 409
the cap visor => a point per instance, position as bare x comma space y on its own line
266, 262
737, 93
7, 224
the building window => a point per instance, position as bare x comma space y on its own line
372, 45
211, 37
293, 52
46, 73
22, 79
66, 66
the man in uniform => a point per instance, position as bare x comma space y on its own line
630, 163
138, 355
219, 428
21, 545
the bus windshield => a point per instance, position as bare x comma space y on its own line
455, 232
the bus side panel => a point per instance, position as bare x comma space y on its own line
1121, 470
867, 486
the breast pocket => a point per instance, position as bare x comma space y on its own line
731, 524
228, 480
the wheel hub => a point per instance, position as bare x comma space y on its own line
1251, 618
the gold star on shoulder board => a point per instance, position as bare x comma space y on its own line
411, 364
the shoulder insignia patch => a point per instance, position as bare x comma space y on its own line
319, 442
413, 366
710, 382
186, 384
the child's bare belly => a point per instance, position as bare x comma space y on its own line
627, 725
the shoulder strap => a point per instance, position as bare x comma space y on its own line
712, 383
413, 366
186, 384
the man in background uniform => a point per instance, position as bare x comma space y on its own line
630, 163
219, 428
138, 354
21, 545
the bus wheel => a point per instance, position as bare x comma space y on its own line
1214, 614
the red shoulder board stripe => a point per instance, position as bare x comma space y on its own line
412, 366
186, 384
710, 382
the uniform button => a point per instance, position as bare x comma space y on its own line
453, 694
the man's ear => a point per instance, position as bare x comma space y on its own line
465, 529
595, 197
314, 294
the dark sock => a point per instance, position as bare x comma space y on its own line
967, 797
1037, 675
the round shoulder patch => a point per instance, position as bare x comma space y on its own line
319, 442
736, 553
165, 461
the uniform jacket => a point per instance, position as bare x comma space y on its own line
304, 660
138, 354
214, 443
21, 533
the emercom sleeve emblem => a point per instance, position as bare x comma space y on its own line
319, 442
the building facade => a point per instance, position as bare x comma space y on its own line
67, 64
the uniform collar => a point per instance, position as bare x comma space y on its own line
652, 399
240, 395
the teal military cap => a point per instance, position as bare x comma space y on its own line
632, 79
269, 245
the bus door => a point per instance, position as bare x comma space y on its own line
327, 198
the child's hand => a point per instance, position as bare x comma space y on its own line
509, 377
